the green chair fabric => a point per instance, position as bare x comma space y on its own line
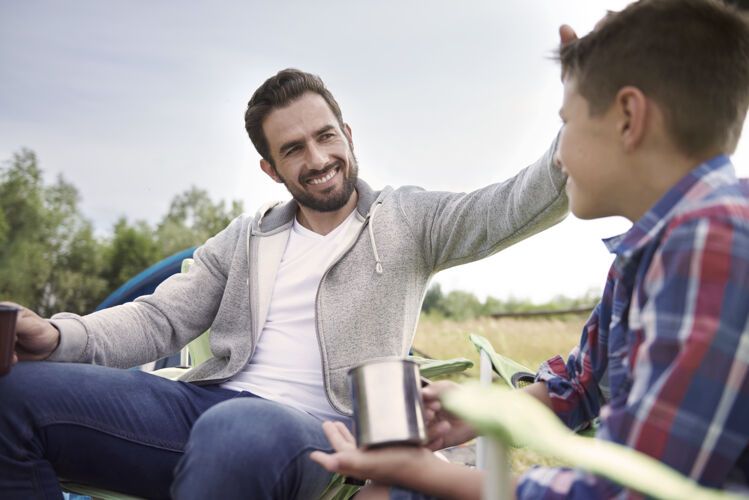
430, 368
507, 369
514, 418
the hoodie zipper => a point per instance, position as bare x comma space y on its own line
323, 364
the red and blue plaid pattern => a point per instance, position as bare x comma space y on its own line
664, 358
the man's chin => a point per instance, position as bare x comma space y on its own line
327, 203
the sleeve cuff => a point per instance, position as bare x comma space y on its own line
73, 338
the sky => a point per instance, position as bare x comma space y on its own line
135, 101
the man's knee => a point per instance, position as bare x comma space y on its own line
254, 426
254, 444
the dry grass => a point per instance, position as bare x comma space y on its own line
527, 341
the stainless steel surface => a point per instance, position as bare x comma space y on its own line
387, 402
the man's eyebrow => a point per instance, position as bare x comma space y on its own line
288, 145
326, 128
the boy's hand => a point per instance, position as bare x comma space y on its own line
443, 429
388, 465
36, 338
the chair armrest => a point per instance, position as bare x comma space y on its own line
510, 371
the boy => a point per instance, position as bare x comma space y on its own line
654, 99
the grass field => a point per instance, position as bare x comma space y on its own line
527, 341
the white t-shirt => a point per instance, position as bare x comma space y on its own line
286, 366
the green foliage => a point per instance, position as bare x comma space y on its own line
460, 306
192, 219
50, 259
131, 250
433, 300
41, 230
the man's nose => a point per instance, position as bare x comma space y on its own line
316, 157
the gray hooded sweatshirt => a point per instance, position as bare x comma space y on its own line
368, 300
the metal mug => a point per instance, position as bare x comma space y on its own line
386, 397
8, 316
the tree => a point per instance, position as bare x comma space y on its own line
434, 300
191, 220
50, 259
460, 305
132, 249
46, 242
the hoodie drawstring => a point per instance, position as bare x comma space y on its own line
378, 263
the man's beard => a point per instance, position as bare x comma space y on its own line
328, 202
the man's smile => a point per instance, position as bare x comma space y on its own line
324, 177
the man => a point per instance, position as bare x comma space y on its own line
294, 297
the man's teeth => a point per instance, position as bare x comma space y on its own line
325, 178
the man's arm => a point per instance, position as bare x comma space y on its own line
153, 326
456, 228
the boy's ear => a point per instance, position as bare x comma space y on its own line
633, 109
266, 167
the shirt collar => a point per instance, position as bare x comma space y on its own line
700, 181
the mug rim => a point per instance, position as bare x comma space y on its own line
386, 359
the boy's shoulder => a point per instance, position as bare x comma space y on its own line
728, 203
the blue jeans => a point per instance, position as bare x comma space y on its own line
144, 435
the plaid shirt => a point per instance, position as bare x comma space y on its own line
664, 358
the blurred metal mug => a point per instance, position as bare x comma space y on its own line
8, 315
388, 408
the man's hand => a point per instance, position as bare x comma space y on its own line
443, 429
386, 465
36, 338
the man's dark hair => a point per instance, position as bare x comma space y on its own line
689, 56
279, 91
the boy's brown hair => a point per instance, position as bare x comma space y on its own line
279, 91
689, 56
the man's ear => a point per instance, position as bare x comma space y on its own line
347, 131
266, 167
633, 109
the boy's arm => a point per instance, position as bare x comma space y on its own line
575, 388
411, 467
689, 398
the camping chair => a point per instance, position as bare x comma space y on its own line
199, 350
513, 418
511, 372
514, 375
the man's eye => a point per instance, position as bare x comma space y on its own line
292, 150
326, 136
